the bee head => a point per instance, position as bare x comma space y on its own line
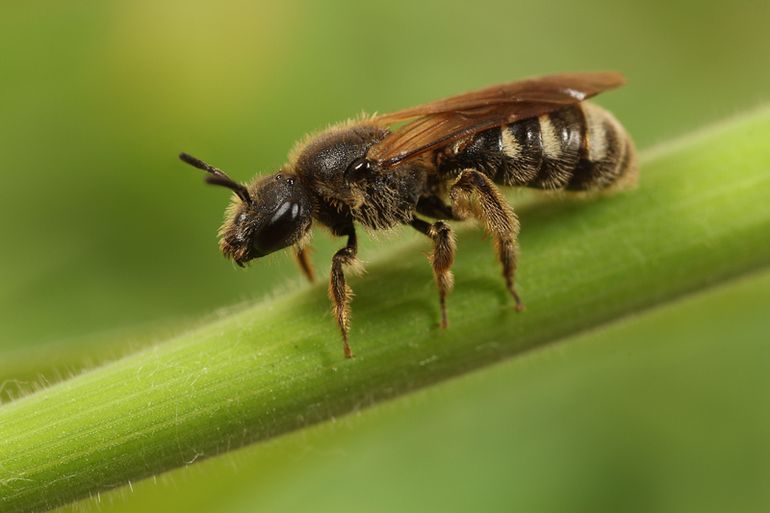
271, 214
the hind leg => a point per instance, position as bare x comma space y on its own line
475, 194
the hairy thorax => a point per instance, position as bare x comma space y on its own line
346, 187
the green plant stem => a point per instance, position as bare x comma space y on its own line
701, 215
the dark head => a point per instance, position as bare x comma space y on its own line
271, 214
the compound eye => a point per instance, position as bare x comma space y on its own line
286, 209
281, 230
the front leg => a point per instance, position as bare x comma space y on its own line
475, 194
301, 255
339, 292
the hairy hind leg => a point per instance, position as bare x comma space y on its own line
442, 258
475, 194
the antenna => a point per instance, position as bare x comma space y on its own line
217, 176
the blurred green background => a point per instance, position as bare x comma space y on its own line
109, 241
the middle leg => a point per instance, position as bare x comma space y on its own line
442, 258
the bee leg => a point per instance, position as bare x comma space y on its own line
475, 194
339, 292
442, 258
302, 255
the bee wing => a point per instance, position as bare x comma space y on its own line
442, 122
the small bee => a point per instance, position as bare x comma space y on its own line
444, 162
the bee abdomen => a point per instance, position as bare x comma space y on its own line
579, 147
539, 152
608, 154
561, 135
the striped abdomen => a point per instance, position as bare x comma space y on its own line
580, 147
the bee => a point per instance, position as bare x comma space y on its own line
442, 162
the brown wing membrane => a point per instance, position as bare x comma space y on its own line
444, 121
